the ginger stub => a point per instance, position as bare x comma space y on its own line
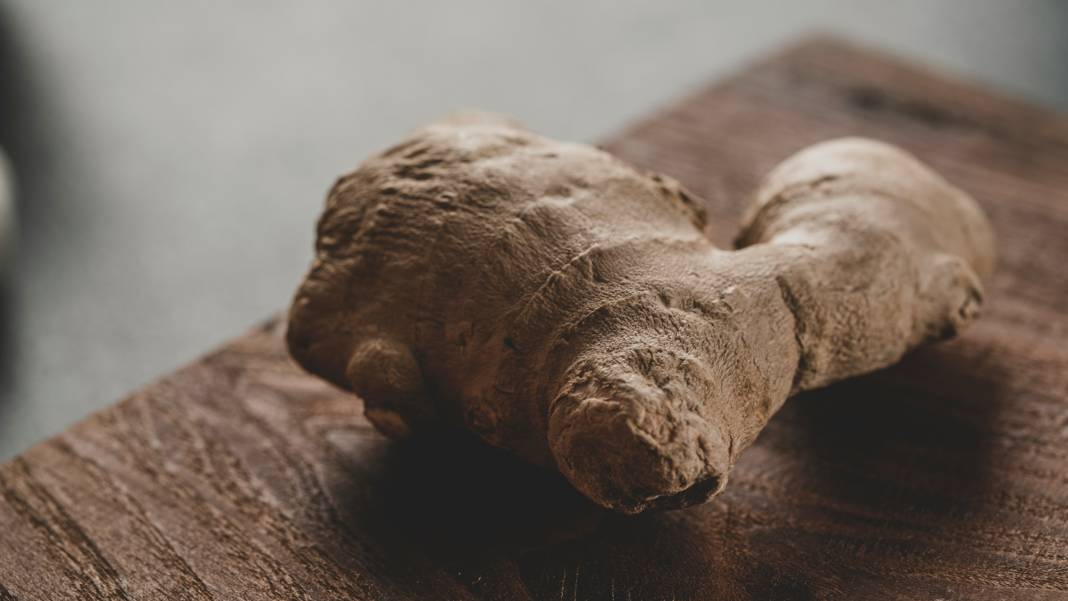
568, 307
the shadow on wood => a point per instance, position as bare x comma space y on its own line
886, 425
457, 496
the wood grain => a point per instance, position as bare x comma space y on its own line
945, 477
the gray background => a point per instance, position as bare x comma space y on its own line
172, 156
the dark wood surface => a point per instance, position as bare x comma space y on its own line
944, 477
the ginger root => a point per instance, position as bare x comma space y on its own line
569, 307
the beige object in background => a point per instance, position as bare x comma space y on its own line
568, 307
7, 219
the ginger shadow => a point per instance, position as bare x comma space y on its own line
918, 434
504, 529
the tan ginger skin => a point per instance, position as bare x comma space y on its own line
569, 307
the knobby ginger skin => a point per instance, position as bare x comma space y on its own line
569, 307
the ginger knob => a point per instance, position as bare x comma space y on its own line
568, 307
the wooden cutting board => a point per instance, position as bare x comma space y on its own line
945, 477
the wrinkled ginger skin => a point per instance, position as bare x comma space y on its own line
569, 307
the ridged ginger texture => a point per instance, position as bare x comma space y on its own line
568, 307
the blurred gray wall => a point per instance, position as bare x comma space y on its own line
172, 156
